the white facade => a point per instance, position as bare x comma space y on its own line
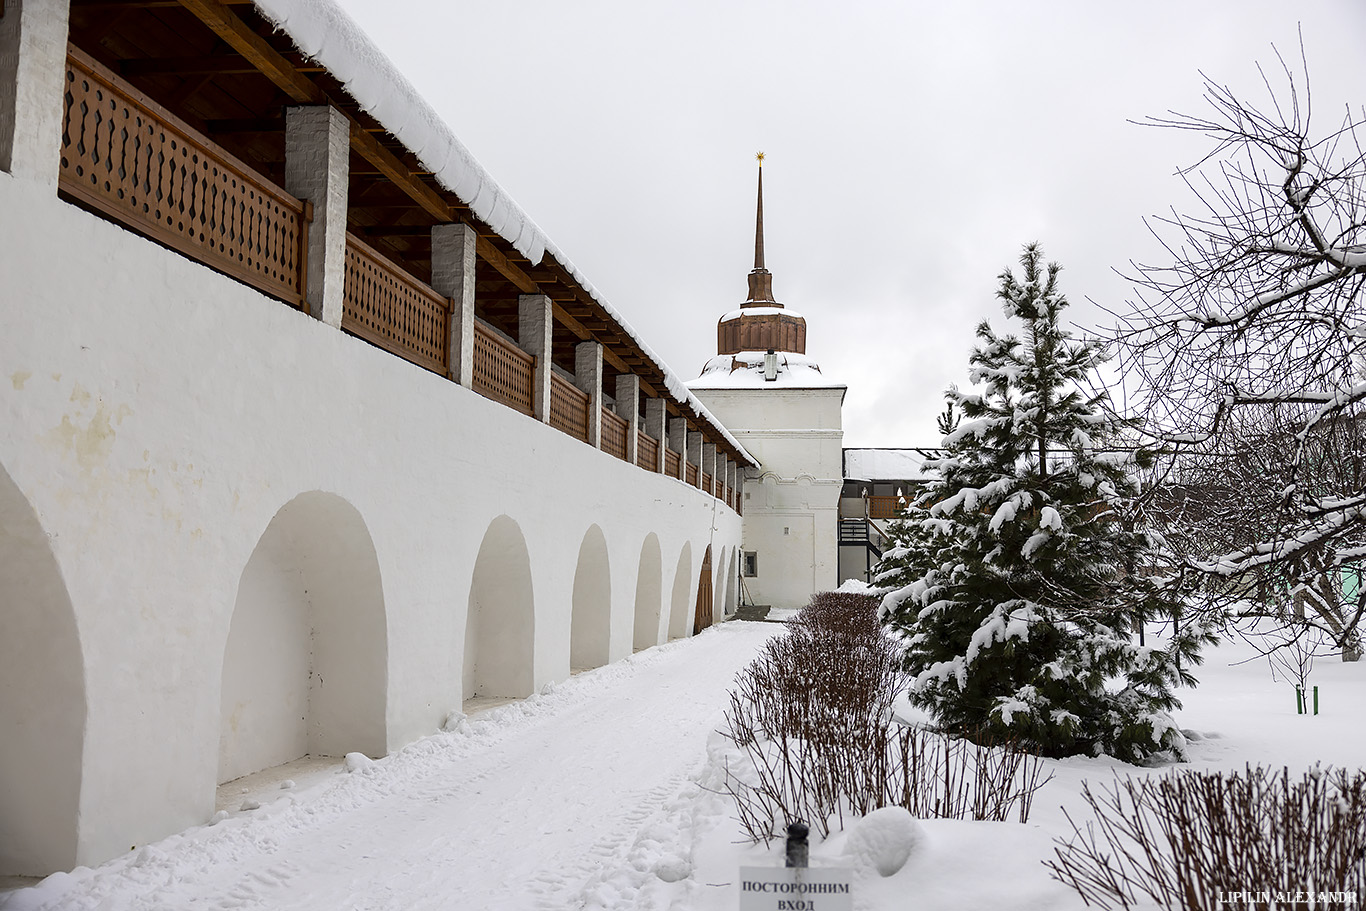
791, 504
232, 534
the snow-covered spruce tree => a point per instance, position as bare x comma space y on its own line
1017, 582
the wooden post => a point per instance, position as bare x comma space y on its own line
535, 322
453, 264
588, 377
317, 168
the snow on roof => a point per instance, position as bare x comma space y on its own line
746, 371
323, 32
884, 465
756, 311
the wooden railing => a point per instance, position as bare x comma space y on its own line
647, 451
614, 431
706, 483
691, 474
387, 307
136, 163
131, 160
502, 371
568, 408
886, 507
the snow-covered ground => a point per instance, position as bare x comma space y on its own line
600, 795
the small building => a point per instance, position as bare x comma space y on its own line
878, 485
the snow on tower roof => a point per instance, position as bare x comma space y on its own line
745, 370
323, 32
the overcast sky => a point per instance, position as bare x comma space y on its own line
911, 149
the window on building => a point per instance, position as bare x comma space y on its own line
749, 564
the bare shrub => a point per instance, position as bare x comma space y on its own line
1183, 839
813, 714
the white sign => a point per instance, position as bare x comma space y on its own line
795, 889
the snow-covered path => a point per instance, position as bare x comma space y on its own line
578, 796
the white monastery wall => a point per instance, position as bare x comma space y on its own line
230, 532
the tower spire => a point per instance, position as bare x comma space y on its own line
759, 218
760, 280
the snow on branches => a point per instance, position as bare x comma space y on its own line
1250, 350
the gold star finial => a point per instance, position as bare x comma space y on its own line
759, 157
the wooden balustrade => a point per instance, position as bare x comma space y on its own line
886, 507
614, 431
647, 451
136, 163
568, 407
387, 307
131, 160
502, 371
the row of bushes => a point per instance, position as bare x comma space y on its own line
814, 718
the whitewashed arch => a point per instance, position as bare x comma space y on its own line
305, 667
42, 698
680, 597
500, 621
725, 601
591, 612
649, 594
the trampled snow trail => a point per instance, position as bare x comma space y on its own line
543, 804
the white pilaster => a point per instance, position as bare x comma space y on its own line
453, 264
708, 464
627, 406
535, 322
694, 451
678, 442
33, 35
656, 421
588, 377
317, 168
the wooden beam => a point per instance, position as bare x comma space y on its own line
241, 38
216, 64
370, 148
495, 258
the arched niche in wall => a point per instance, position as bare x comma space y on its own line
305, 668
42, 698
649, 595
500, 621
725, 600
591, 620
680, 604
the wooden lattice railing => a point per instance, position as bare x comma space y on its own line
691, 476
502, 371
671, 463
387, 307
614, 431
133, 161
706, 483
568, 408
886, 507
647, 451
